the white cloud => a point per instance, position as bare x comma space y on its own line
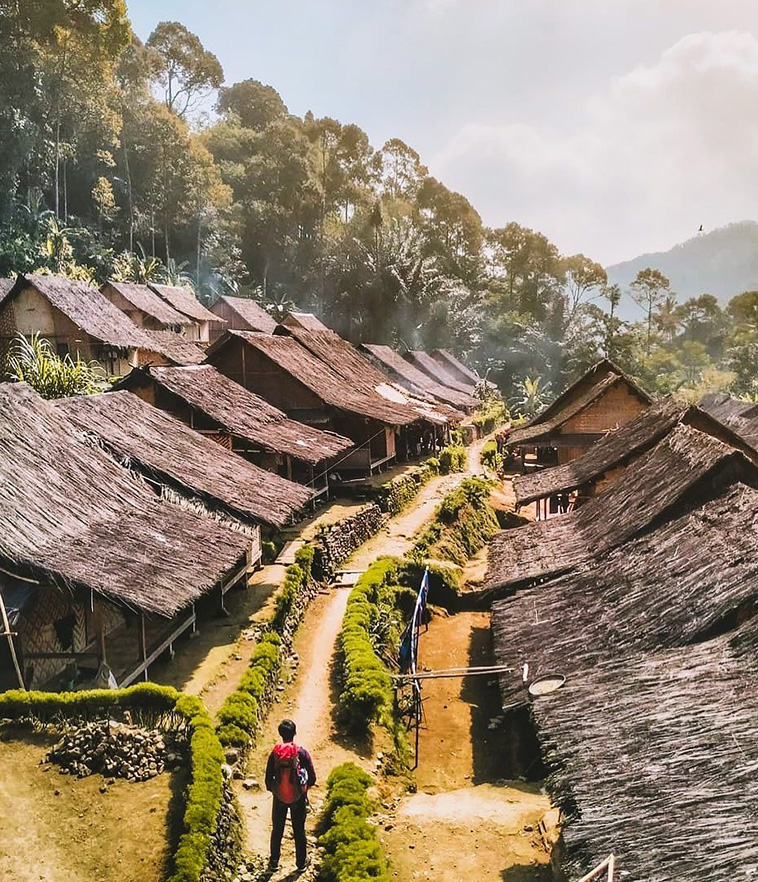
662, 149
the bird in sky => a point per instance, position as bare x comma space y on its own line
701, 229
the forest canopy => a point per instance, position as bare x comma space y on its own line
107, 169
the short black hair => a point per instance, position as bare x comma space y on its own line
287, 729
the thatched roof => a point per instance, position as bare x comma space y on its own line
355, 367
171, 453
183, 300
455, 366
682, 469
306, 321
437, 371
740, 416
177, 349
416, 380
598, 380
87, 308
251, 313
242, 413
6, 286
70, 513
334, 390
651, 742
146, 300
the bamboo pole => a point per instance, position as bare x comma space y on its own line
608, 864
9, 634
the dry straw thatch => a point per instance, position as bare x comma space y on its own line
175, 348
87, 308
167, 451
183, 300
682, 469
147, 301
438, 372
417, 381
651, 742
250, 313
306, 321
455, 366
356, 368
333, 389
740, 416
242, 413
70, 513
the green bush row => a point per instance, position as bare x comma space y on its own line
148, 703
452, 459
242, 712
490, 456
464, 523
352, 851
366, 694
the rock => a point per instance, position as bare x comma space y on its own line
226, 771
251, 784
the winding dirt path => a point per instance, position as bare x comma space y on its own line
310, 699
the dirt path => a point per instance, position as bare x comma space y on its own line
62, 829
310, 699
465, 821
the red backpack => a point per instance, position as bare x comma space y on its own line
288, 775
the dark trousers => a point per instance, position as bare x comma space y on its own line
279, 819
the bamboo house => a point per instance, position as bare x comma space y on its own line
439, 372
241, 314
241, 421
111, 572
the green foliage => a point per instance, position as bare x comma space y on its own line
401, 491
532, 395
35, 362
492, 414
452, 459
464, 523
241, 714
353, 852
490, 457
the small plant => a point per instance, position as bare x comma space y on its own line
452, 459
34, 361
532, 396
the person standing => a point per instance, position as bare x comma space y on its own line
289, 774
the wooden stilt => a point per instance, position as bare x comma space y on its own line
11, 646
143, 644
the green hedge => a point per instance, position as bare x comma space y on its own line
242, 712
148, 702
452, 459
491, 415
490, 457
464, 523
398, 494
352, 851
366, 694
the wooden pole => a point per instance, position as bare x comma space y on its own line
11, 646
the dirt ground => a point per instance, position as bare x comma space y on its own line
465, 821
57, 828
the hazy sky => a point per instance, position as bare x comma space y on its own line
612, 126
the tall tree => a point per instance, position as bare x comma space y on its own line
255, 105
649, 289
187, 70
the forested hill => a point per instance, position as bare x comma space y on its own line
723, 262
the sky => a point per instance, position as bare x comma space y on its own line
614, 127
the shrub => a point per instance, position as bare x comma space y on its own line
352, 849
396, 495
490, 457
464, 523
452, 459
493, 413
241, 714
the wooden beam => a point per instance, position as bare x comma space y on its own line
11, 645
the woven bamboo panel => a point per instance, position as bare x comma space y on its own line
616, 408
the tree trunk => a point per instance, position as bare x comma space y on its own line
199, 246
128, 172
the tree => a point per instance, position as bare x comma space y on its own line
648, 289
533, 395
186, 69
583, 276
402, 171
255, 105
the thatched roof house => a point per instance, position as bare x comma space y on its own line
183, 300
650, 741
75, 317
172, 455
80, 526
241, 314
607, 459
354, 366
407, 374
169, 348
305, 321
600, 401
144, 307
211, 403
292, 378
455, 367
683, 469
438, 371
